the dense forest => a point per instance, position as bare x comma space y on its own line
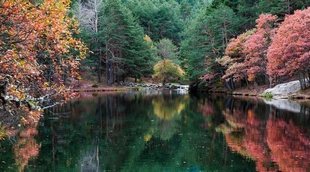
216, 42
46, 45
86, 51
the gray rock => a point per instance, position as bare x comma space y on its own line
284, 90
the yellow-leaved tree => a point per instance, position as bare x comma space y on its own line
167, 71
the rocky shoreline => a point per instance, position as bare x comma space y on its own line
128, 86
290, 90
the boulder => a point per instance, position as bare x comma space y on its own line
284, 90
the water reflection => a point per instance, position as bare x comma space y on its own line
26, 148
166, 117
155, 132
275, 140
289, 145
22, 138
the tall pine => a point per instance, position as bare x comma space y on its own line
125, 51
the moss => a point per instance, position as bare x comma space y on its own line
267, 95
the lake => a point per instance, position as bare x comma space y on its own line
167, 132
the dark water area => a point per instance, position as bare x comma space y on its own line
162, 132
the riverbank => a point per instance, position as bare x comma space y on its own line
290, 105
290, 90
302, 95
100, 89
89, 86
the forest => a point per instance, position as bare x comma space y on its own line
48, 46
94, 85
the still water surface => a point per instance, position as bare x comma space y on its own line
162, 132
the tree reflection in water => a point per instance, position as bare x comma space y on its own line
138, 132
289, 145
275, 140
22, 138
166, 116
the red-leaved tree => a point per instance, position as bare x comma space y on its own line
289, 52
255, 48
234, 59
246, 55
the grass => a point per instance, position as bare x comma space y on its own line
267, 95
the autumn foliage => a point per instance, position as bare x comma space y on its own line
165, 70
234, 57
26, 148
255, 48
271, 50
289, 145
37, 49
275, 144
289, 52
245, 56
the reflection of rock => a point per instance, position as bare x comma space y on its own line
283, 90
285, 105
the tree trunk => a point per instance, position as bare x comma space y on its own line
3, 92
308, 73
99, 73
301, 80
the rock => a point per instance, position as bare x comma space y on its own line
284, 90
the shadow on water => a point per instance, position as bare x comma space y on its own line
162, 132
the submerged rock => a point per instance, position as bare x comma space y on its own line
284, 90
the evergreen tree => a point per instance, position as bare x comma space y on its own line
159, 18
125, 51
281, 7
206, 37
113, 27
202, 29
138, 57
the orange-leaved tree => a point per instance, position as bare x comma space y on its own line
37, 49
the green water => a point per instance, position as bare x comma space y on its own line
162, 132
